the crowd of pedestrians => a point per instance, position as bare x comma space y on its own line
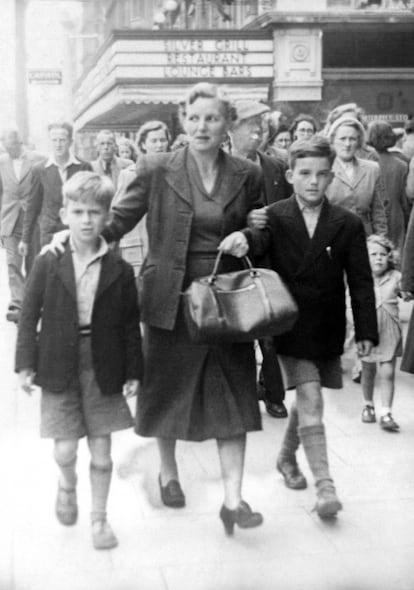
326, 204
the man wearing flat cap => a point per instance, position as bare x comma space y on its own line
246, 136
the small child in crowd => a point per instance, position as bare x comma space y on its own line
387, 288
86, 350
313, 244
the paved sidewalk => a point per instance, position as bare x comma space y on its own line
369, 547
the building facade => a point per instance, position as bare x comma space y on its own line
140, 57
8, 115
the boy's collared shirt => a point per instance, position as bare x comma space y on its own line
86, 280
18, 164
63, 170
310, 215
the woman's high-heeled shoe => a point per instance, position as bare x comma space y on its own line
243, 516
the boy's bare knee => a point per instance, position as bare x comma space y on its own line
65, 451
100, 449
309, 403
369, 368
387, 371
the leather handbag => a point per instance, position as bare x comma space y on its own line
238, 306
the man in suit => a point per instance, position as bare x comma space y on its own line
45, 199
246, 136
312, 244
108, 162
15, 181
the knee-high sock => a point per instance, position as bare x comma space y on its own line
100, 483
291, 440
314, 443
68, 473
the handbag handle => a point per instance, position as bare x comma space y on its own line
246, 260
254, 273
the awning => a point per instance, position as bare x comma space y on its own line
128, 105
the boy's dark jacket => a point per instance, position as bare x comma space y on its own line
313, 269
53, 352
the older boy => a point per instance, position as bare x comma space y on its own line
312, 244
87, 350
45, 200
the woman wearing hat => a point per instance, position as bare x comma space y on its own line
357, 184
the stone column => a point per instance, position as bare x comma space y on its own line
297, 64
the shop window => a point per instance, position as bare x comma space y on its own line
368, 50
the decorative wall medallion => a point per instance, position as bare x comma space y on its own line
300, 52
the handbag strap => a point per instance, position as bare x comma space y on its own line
214, 273
254, 273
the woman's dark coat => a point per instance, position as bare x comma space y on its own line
161, 189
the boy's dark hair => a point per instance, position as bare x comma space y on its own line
84, 186
62, 125
315, 147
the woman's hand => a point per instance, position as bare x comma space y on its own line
130, 388
235, 244
257, 218
57, 244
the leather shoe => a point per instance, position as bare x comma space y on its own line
387, 422
102, 535
294, 478
276, 410
66, 507
172, 495
327, 502
243, 516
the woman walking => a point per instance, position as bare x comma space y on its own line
357, 184
193, 198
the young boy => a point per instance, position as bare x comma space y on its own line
88, 349
312, 245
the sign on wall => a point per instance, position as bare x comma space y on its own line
193, 58
45, 76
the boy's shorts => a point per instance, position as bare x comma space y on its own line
328, 372
82, 410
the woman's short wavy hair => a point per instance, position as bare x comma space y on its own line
380, 135
208, 90
147, 128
